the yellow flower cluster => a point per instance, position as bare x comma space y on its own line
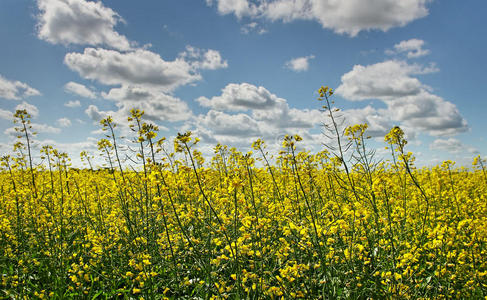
295, 225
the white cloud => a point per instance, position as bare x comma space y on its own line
240, 130
205, 60
343, 17
408, 100
95, 114
79, 89
144, 80
64, 122
264, 106
140, 67
241, 97
230, 125
73, 103
16, 90
428, 112
299, 64
157, 106
120, 116
413, 48
240, 8
79, 22
261, 115
284, 117
30, 108
385, 80
451, 145
378, 121
212, 60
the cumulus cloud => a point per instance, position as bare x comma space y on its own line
73, 103
157, 106
244, 112
413, 48
264, 106
379, 123
299, 64
284, 117
143, 80
79, 89
385, 80
240, 8
241, 97
79, 22
235, 125
451, 145
343, 17
204, 59
408, 101
64, 122
428, 112
143, 67
16, 90
95, 114
139, 67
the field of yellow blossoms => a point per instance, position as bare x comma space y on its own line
173, 224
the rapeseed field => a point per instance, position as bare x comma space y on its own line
172, 223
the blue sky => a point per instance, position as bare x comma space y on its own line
232, 71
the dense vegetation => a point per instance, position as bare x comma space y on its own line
336, 224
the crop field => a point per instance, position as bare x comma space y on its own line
175, 224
